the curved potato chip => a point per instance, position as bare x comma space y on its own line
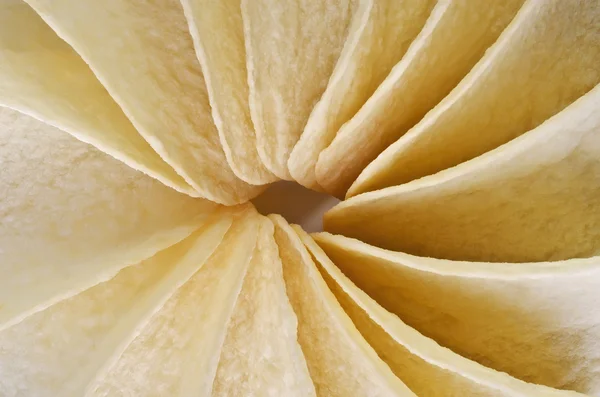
340, 361
545, 59
536, 198
144, 55
456, 34
414, 358
177, 352
42, 76
223, 60
61, 349
261, 355
380, 33
71, 216
535, 321
291, 49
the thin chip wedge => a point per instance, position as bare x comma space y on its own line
535, 321
536, 198
177, 352
60, 350
291, 48
543, 61
161, 88
43, 76
261, 355
453, 39
379, 35
340, 361
223, 60
71, 216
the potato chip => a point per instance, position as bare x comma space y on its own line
536, 198
453, 39
223, 60
380, 33
291, 49
340, 361
42, 76
261, 355
177, 352
535, 321
545, 59
72, 217
60, 350
144, 55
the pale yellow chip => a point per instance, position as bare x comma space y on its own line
61, 349
544, 60
536, 198
261, 355
42, 76
291, 48
380, 33
144, 55
340, 362
218, 33
453, 39
536, 321
177, 352
71, 216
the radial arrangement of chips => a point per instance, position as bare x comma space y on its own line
462, 136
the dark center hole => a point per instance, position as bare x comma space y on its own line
296, 204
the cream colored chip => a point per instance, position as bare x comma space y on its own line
426, 367
57, 352
72, 217
261, 355
536, 198
453, 39
42, 76
218, 33
340, 361
536, 321
380, 34
544, 60
292, 47
177, 352
144, 55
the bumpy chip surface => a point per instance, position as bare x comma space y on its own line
177, 352
223, 60
340, 361
414, 358
60, 350
533, 199
42, 76
380, 33
535, 321
71, 216
291, 48
261, 355
161, 89
453, 39
544, 60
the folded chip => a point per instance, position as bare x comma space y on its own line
533, 199
531, 320
161, 89
454, 38
340, 361
543, 61
291, 48
380, 33
43, 76
73, 216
